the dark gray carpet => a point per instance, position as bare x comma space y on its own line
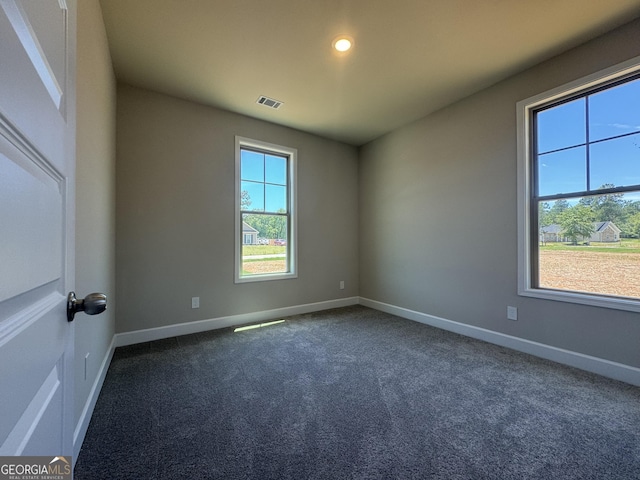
354, 393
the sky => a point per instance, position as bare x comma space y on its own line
610, 120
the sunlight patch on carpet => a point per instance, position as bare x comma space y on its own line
257, 325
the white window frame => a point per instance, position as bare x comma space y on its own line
292, 240
524, 110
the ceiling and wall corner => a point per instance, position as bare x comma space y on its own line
410, 58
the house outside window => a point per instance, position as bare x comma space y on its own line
265, 240
579, 191
249, 234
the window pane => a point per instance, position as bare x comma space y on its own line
276, 170
562, 126
562, 172
276, 198
253, 199
252, 166
615, 162
591, 245
269, 253
615, 111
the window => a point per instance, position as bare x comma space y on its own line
265, 236
579, 191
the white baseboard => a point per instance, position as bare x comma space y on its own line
87, 411
606, 368
158, 333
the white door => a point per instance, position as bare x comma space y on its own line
37, 163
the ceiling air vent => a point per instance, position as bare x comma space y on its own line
269, 102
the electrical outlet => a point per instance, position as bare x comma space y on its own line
195, 302
512, 313
341, 284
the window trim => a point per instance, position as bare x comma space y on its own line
524, 114
292, 240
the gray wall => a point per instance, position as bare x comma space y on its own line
175, 214
438, 215
95, 195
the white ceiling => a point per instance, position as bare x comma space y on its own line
411, 57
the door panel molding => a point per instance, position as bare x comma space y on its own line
22, 434
33, 211
20, 321
27, 36
14, 137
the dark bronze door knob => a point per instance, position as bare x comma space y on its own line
92, 304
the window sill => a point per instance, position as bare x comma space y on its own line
266, 277
616, 303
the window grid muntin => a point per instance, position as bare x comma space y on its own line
585, 93
264, 153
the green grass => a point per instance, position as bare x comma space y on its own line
263, 249
626, 245
275, 259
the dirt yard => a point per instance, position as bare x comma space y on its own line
265, 266
608, 273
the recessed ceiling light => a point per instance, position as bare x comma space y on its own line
342, 43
